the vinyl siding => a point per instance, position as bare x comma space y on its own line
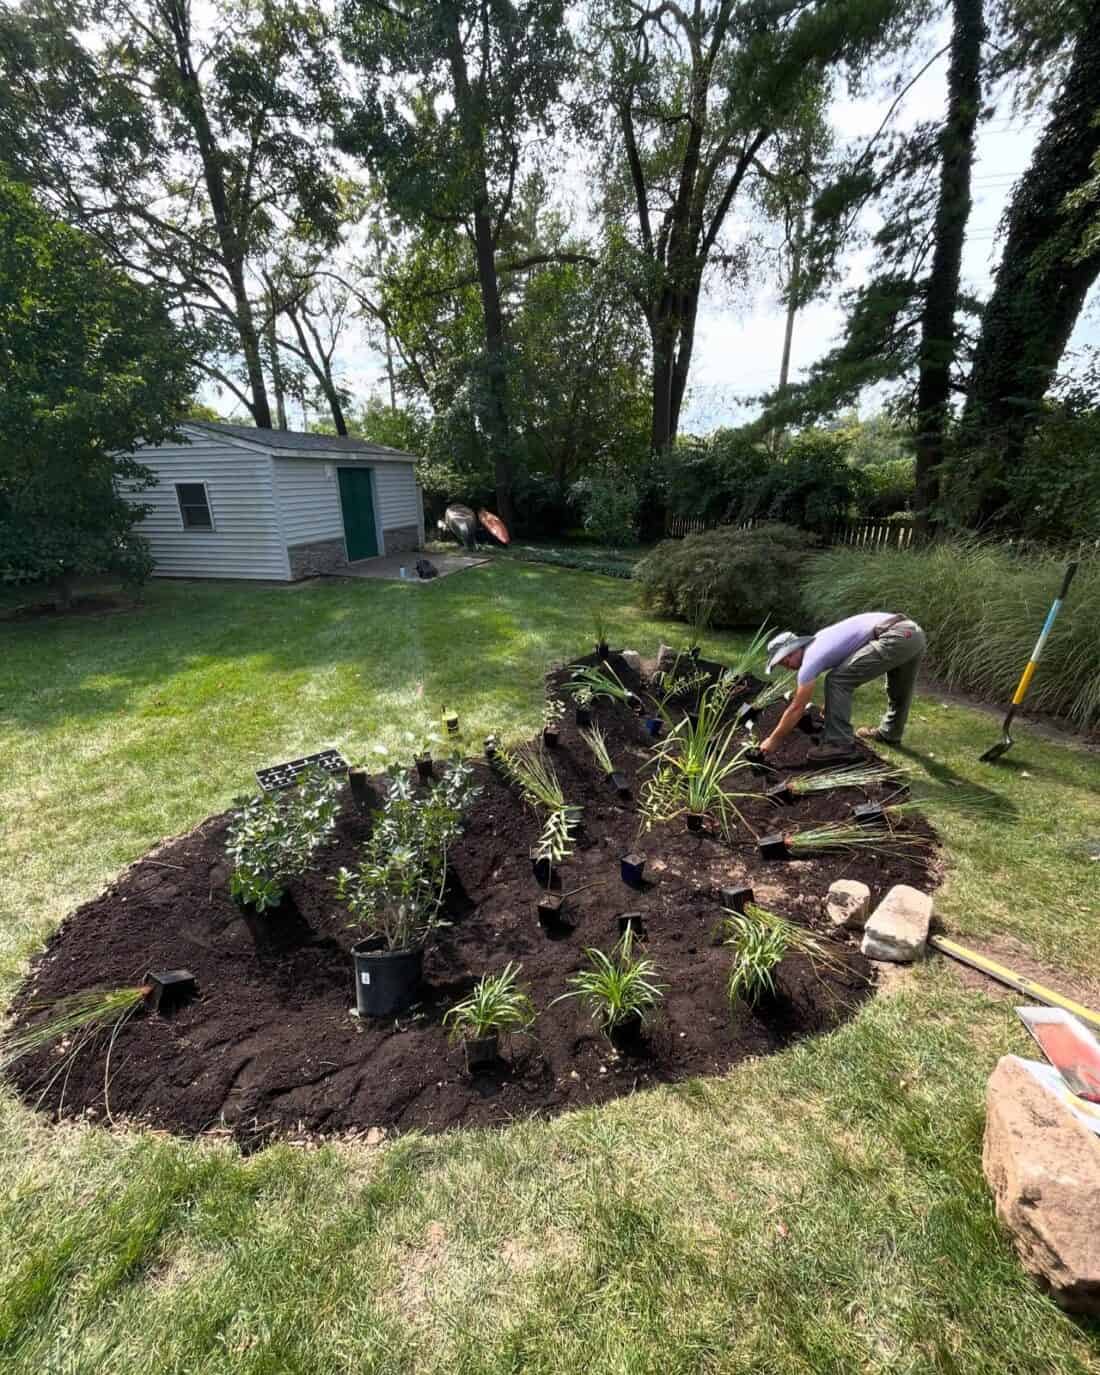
246, 541
399, 505
309, 496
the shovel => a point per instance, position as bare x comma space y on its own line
1005, 742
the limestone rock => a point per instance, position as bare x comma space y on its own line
633, 659
847, 903
1043, 1166
898, 927
666, 657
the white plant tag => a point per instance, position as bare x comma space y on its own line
364, 977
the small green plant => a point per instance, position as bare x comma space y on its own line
616, 988
273, 839
583, 697
693, 765
752, 656
785, 932
863, 776
701, 617
396, 891
600, 682
594, 739
74, 1022
534, 775
552, 711
497, 1004
773, 691
844, 835
758, 948
599, 625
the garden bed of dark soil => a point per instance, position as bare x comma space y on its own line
269, 1048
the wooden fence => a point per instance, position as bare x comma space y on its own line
868, 532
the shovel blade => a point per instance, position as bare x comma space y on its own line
995, 751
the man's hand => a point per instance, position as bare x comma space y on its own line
790, 718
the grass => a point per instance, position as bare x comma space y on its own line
819, 1210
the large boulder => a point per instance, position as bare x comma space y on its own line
847, 904
1043, 1166
898, 928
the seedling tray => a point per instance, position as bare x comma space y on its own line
277, 776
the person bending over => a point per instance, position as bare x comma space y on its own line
850, 653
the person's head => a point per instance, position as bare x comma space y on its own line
787, 650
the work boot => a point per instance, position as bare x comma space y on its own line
834, 754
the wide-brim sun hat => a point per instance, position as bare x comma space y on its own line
779, 646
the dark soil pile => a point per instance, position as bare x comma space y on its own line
269, 1047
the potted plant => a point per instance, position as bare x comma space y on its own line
273, 838
497, 1006
832, 835
395, 894
632, 922
594, 739
582, 706
758, 950
632, 868
599, 624
618, 990
450, 722
537, 781
362, 794
601, 682
552, 712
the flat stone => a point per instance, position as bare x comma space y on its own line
1043, 1166
847, 903
633, 659
898, 927
666, 657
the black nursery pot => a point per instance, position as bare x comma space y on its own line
550, 908
755, 759
583, 716
632, 922
620, 783
737, 899
782, 795
550, 738
450, 720
626, 1034
386, 981
540, 867
695, 822
869, 814
634, 702
169, 988
359, 782
653, 725
632, 868
424, 768
482, 1051
774, 846
807, 724
602, 649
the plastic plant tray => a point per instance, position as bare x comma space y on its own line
283, 775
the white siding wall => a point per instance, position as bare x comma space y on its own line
246, 541
309, 500
398, 503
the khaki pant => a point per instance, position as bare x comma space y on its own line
897, 654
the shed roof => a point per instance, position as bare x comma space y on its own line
298, 444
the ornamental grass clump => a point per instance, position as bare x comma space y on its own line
845, 835
600, 682
76, 1019
594, 739
537, 780
395, 893
619, 990
496, 1006
863, 776
274, 838
752, 657
693, 765
758, 949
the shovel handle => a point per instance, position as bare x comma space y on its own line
1044, 634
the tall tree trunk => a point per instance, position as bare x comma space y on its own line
276, 366
938, 330
494, 415
1039, 288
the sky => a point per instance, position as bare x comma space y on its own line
739, 341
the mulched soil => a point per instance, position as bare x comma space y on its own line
269, 1048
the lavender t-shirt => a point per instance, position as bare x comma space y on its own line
832, 645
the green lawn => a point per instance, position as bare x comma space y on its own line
822, 1210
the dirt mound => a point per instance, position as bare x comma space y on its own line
269, 1047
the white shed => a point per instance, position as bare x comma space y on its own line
232, 501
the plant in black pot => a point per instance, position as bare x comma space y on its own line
619, 991
496, 1007
582, 706
552, 712
601, 682
395, 894
594, 739
274, 838
599, 625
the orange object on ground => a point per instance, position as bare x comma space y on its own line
495, 526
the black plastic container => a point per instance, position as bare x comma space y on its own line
653, 725
424, 768
869, 814
808, 724
632, 868
695, 821
481, 1051
550, 738
551, 909
620, 783
583, 716
386, 981
755, 760
626, 1035
169, 988
362, 794
632, 922
602, 650
540, 867
634, 702
774, 846
782, 795
737, 898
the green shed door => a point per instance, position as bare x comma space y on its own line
357, 505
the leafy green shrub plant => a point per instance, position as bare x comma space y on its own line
273, 838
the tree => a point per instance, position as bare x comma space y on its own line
451, 93
699, 97
184, 142
1046, 268
91, 366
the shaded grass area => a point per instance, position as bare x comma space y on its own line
820, 1210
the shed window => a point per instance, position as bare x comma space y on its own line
194, 506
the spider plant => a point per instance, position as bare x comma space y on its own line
619, 990
757, 949
856, 776
594, 739
496, 1004
75, 1020
600, 682
844, 835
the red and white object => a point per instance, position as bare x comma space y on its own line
1070, 1047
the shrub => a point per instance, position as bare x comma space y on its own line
610, 505
813, 485
752, 575
982, 606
